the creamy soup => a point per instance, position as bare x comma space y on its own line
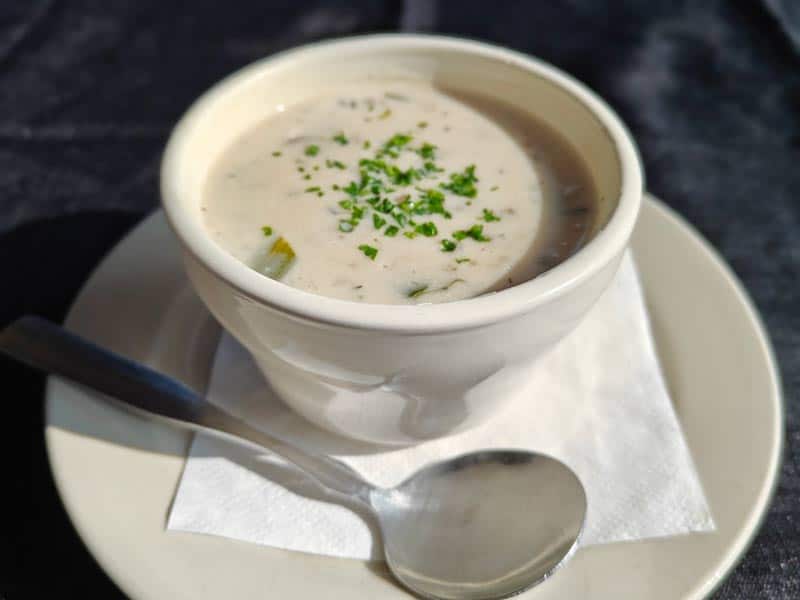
399, 193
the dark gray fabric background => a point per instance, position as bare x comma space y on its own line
89, 91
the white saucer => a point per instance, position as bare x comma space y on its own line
117, 473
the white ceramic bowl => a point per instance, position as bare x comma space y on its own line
386, 373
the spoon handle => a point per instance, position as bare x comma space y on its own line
48, 347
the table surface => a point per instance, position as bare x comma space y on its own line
90, 89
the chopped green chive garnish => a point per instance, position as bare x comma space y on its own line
423, 289
431, 202
399, 177
301, 169
462, 260
345, 226
367, 144
451, 284
393, 146
475, 232
385, 206
398, 215
368, 251
427, 151
357, 212
391, 231
489, 216
406, 204
266, 230
430, 167
316, 190
422, 124
385, 114
410, 234
335, 164
396, 175
378, 221
277, 153
428, 229
340, 138
448, 245
462, 184
351, 189
312, 150
417, 291
307, 176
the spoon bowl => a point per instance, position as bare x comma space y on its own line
483, 525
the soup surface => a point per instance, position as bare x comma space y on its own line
399, 193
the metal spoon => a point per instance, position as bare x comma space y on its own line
483, 525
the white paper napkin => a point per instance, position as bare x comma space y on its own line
602, 407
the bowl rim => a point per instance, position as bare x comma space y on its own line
468, 313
